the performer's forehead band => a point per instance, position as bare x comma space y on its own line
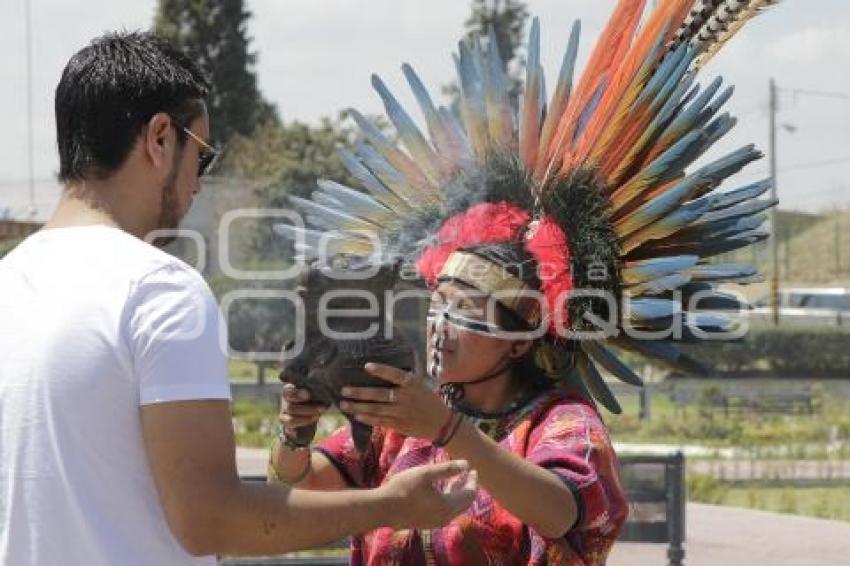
496, 281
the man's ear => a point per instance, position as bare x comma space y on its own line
159, 140
520, 348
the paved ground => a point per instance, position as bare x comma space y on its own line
727, 536
251, 461
724, 536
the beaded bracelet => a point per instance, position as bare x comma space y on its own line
274, 477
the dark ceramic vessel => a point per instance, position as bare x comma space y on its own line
326, 364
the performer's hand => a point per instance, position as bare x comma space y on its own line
296, 410
411, 407
430, 496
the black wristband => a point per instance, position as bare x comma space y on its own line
289, 442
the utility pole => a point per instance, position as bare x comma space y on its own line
30, 141
774, 215
837, 246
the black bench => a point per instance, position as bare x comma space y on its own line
779, 402
655, 488
783, 402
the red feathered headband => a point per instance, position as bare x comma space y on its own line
494, 223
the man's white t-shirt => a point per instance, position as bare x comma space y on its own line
95, 323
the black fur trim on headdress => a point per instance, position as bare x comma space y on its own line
577, 203
503, 178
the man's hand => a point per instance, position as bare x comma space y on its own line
425, 499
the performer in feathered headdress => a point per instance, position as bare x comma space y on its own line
579, 223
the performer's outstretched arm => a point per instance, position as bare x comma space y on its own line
533, 494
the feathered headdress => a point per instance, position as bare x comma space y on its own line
594, 182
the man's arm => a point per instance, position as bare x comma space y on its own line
191, 452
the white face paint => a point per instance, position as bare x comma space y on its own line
435, 362
440, 321
464, 337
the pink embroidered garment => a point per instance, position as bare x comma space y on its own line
557, 431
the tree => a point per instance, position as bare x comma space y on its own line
215, 32
286, 159
283, 160
507, 18
7, 246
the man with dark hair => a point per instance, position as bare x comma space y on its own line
115, 434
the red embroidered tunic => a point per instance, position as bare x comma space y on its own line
557, 431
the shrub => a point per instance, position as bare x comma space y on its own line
781, 352
704, 488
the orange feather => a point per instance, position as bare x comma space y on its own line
609, 48
629, 81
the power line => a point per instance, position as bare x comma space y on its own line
813, 164
800, 166
819, 93
829, 191
30, 135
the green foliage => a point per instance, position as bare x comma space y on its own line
788, 501
704, 488
254, 422
288, 159
763, 435
215, 33
823, 502
792, 223
705, 427
784, 351
255, 325
245, 371
507, 18
284, 160
8, 245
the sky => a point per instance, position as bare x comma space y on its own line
316, 56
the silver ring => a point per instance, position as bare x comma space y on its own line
408, 378
392, 395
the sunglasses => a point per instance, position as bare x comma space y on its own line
207, 154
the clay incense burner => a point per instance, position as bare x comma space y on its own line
327, 364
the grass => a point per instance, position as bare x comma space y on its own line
255, 423
245, 371
820, 502
763, 435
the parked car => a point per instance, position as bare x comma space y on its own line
808, 305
